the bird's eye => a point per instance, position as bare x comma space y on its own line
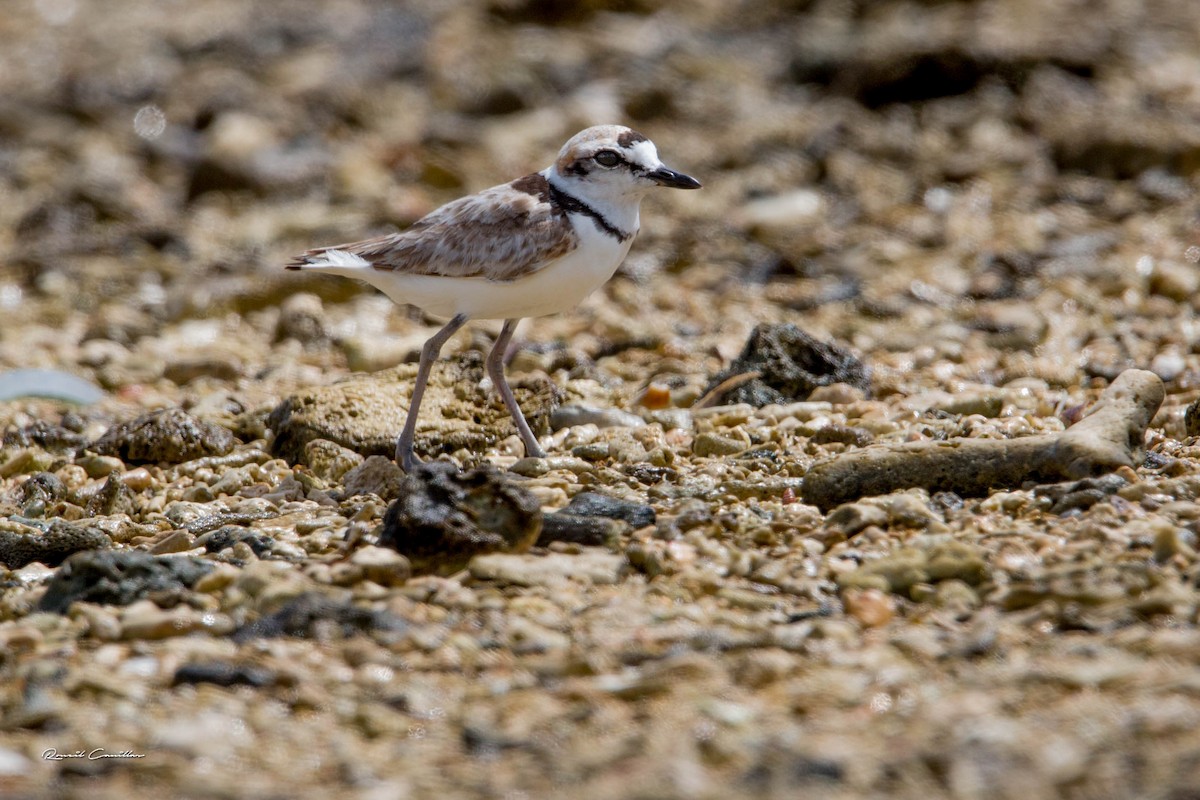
607, 159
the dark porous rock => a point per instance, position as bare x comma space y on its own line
594, 504
120, 578
443, 517
52, 438
223, 673
562, 526
228, 536
790, 364
366, 413
313, 615
169, 436
48, 542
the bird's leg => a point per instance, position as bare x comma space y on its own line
429, 354
495, 370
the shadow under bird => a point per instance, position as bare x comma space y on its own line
534, 246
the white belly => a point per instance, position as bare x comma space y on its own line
555, 288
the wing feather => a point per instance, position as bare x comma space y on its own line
502, 233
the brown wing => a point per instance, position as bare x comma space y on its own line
501, 233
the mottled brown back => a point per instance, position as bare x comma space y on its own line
501, 233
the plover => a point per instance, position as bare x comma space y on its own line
535, 246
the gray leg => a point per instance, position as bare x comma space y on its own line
429, 354
495, 369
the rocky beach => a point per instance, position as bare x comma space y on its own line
873, 472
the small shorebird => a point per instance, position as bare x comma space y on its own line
534, 246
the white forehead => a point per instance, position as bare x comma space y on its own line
643, 153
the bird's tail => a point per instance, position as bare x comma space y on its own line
327, 257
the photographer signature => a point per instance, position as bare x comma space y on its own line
91, 755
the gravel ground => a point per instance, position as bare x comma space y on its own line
981, 220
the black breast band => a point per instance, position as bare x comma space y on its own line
568, 203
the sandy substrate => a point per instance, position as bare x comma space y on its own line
992, 206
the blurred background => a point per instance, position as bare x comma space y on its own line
981, 185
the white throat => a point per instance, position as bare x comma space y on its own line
620, 209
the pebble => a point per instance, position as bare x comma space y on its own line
842, 434
376, 475
102, 624
763, 666
656, 396
101, 466
216, 366
872, 607
563, 526
307, 613
570, 416
707, 445
382, 565
174, 542
330, 461
836, 394
231, 536
1169, 365
902, 570
138, 479
16, 638
222, 673
13, 763
594, 451
222, 575
302, 317
847, 520
987, 404
113, 497
531, 467
144, 620
672, 419
594, 504
592, 565
25, 462
785, 210
32, 573
726, 416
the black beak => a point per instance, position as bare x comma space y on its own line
675, 180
